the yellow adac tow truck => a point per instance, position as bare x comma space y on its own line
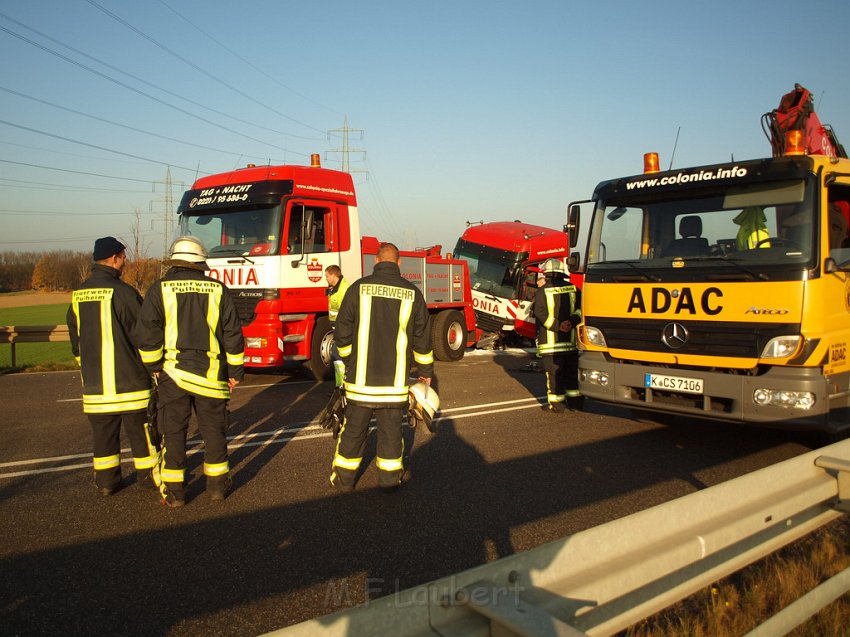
723, 291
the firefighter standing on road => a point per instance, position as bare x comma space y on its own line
337, 287
116, 385
382, 319
190, 338
557, 310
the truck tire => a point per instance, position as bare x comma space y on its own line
321, 345
448, 335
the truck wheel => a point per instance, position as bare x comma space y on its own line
448, 335
320, 363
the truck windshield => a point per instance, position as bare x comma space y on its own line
236, 232
755, 225
491, 270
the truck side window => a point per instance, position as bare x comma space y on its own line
306, 231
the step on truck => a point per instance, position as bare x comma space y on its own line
503, 258
723, 291
272, 230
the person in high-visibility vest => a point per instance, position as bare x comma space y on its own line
557, 310
753, 231
190, 337
116, 385
337, 287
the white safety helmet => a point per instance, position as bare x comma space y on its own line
424, 404
554, 266
188, 249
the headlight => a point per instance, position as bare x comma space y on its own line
593, 376
255, 342
781, 346
594, 336
788, 399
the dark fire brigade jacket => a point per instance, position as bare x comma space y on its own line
382, 319
557, 301
189, 328
100, 321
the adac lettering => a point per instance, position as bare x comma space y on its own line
662, 300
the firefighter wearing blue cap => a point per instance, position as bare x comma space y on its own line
116, 385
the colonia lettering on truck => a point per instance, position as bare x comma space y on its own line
504, 258
271, 231
721, 291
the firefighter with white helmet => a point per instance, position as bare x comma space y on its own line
557, 310
190, 337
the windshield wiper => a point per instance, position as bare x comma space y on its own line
242, 259
631, 264
735, 262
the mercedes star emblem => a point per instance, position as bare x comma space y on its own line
674, 335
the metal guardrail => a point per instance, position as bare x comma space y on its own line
604, 579
14, 334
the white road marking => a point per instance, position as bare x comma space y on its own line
294, 433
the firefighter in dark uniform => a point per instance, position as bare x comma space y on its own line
557, 310
190, 337
383, 318
116, 385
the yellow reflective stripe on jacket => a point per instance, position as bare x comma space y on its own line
352, 464
172, 475
149, 357
197, 384
423, 359
372, 394
363, 339
236, 359
345, 351
103, 404
214, 302
106, 462
107, 347
404, 311
218, 469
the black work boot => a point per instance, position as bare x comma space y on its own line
172, 497
218, 487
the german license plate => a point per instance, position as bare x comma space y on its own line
673, 383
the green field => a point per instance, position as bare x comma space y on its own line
36, 355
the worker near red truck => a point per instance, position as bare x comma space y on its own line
337, 287
382, 320
557, 310
190, 338
116, 385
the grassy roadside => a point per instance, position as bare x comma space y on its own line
36, 357
739, 603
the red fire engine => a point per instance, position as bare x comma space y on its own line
271, 231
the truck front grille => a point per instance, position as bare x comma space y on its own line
704, 338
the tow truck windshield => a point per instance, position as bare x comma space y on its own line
741, 228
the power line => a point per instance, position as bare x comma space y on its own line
76, 172
125, 126
140, 92
196, 67
62, 213
77, 141
242, 59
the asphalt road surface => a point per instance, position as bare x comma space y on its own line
500, 476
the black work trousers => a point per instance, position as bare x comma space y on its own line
174, 407
106, 436
562, 378
352, 442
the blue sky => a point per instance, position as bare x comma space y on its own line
468, 110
